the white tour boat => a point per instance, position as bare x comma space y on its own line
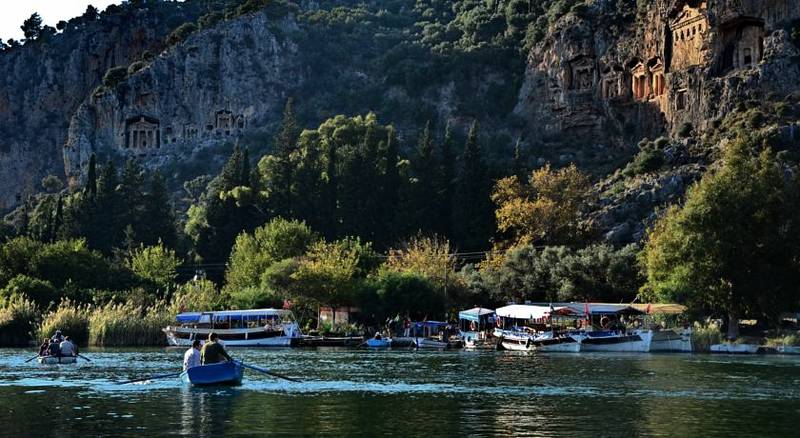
613, 335
475, 327
523, 327
236, 328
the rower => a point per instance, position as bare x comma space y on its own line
67, 348
191, 358
45, 347
212, 350
58, 337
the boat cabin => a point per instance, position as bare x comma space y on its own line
476, 323
430, 329
235, 319
528, 319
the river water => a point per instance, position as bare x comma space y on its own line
403, 392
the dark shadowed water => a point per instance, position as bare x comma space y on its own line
402, 392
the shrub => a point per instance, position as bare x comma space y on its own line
210, 19
114, 76
72, 319
650, 158
181, 33
39, 291
197, 296
136, 66
685, 130
156, 264
19, 317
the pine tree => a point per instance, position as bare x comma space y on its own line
131, 191
423, 205
244, 179
102, 230
473, 208
159, 218
330, 196
391, 185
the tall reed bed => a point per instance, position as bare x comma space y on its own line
128, 324
19, 318
705, 335
72, 319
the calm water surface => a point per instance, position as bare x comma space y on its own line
397, 392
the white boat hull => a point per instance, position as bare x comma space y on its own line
735, 348
560, 344
788, 349
55, 360
636, 342
430, 343
278, 341
670, 341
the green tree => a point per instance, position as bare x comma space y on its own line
423, 206
473, 209
733, 246
281, 198
444, 184
32, 27
157, 265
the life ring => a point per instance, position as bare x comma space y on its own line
604, 321
472, 326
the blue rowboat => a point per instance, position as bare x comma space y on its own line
379, 343
223, 373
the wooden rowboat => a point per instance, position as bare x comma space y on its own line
56, 360
223, 373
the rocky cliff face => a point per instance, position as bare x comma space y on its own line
681, 61
43, 83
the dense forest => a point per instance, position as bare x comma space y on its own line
398, 211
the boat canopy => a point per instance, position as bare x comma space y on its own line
528, 311
430, 324
233, 315
600, 308
661, 309
475, 314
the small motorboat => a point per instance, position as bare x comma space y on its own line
223, 373
56, 360
379, 343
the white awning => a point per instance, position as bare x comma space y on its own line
527, 311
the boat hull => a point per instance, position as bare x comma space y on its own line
735, 348
430, 343
638, 342
670, 341
276, 341
379, 343
223, 373
559, 344
55, 360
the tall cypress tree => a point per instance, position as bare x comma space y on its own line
91, 176
158, 216
285, 145
473, 208
331, 192
391, 185
444, 186
423, 205
519, 167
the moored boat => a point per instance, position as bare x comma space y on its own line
236, 328
56, 360
523, 327
637, 341
379, 343
671, 340
731, 348
431, 334
475, 327
223, 373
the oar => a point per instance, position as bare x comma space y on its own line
34, 357
270, 373
157, 376
83, 357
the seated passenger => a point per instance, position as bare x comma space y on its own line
67, 348
53, 349
213, 351
191, 358
44, 348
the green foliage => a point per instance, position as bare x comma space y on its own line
155, 264
732, 247
180, 34
406, 293
649, 159
114, 76
704, 336
254, 254
198, 296
41, 292
136, 66
210, 19
473, 208
32, 27
19, 318
558, 273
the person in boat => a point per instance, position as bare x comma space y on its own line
213, 351
57, 336
67, 348
53, 349
378, 336
191, 358
44, 349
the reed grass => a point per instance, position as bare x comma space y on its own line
791, 340
705, 335
71, 318
128, 324
19, 319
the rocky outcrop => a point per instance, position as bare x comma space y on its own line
43, 83
205, 92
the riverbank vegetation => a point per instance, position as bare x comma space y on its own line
342, 215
